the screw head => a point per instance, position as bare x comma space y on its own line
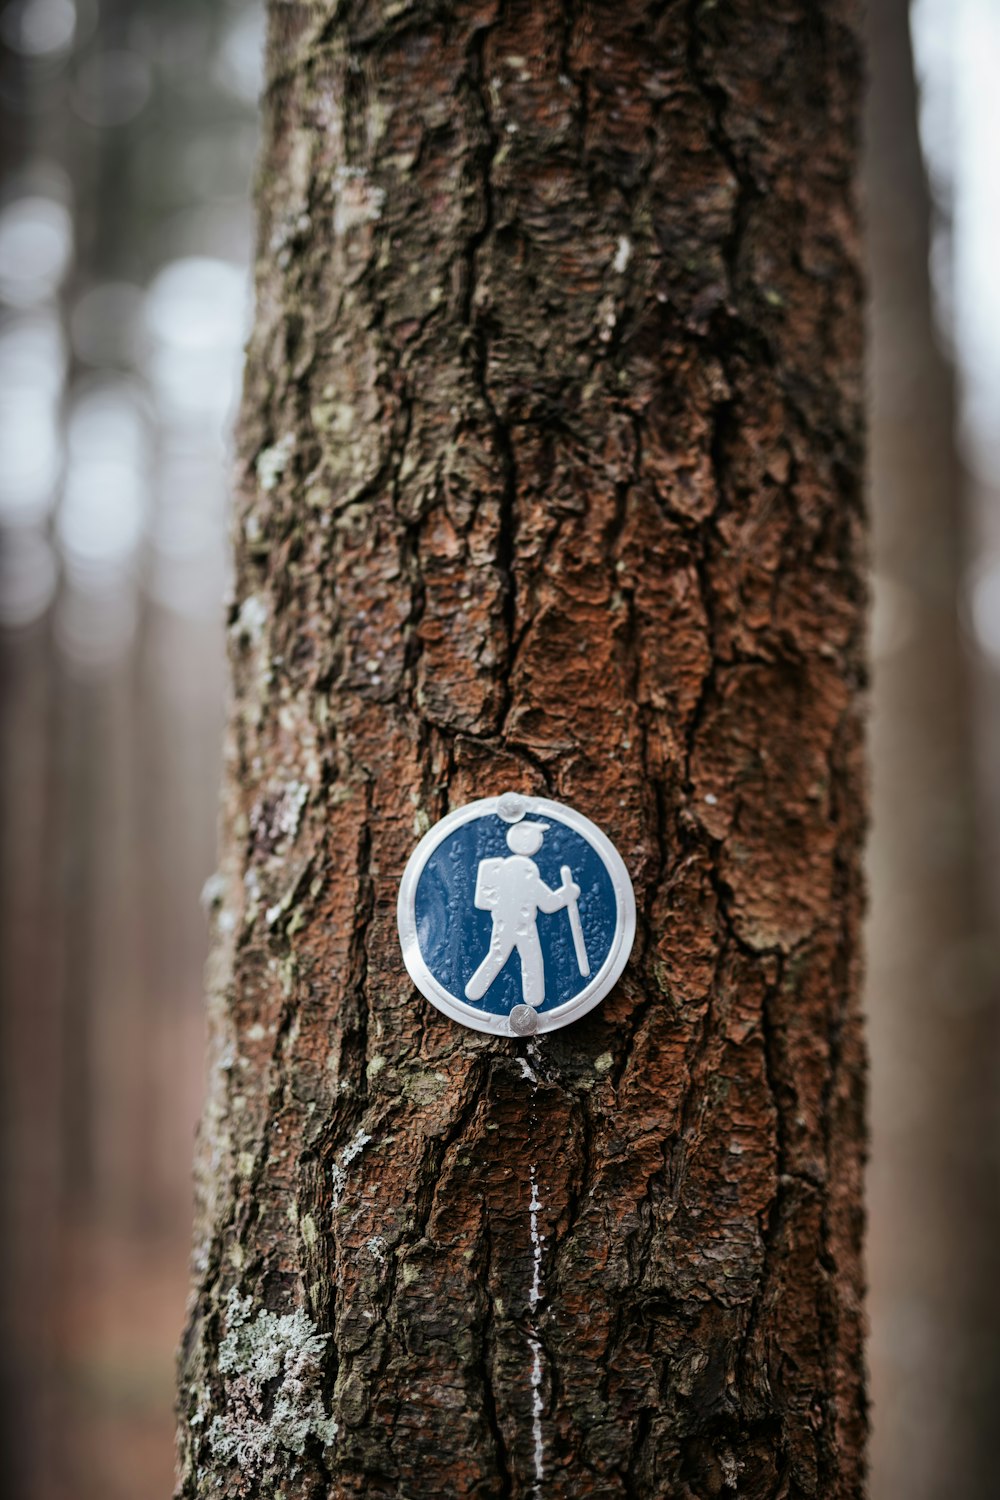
512, 807
523, 1020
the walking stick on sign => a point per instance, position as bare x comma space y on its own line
573, 910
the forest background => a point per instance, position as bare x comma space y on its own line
128, 134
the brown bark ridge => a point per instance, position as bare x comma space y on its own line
550, 478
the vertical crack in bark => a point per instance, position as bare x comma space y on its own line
487, 1356
717, 100
644, 715
778, 1087
409, 560
476, 324
357, 966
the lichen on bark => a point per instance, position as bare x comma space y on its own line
272, 1405
549, 478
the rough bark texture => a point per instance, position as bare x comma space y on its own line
550, 479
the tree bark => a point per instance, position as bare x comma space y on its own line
549, 479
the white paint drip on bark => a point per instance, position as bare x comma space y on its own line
536, 1242
534, 1296
536, 1414
527, 1071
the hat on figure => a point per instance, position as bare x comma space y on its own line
525, 838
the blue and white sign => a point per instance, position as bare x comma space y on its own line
516, 915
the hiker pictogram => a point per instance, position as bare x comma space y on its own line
516, 914
513, 891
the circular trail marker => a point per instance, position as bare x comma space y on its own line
516, 915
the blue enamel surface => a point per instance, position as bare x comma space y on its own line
454, 936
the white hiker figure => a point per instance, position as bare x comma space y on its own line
512, 889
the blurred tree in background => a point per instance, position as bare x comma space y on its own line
129, 134
933, 1179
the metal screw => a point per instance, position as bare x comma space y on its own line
512, 807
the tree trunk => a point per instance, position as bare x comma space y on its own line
550, 480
